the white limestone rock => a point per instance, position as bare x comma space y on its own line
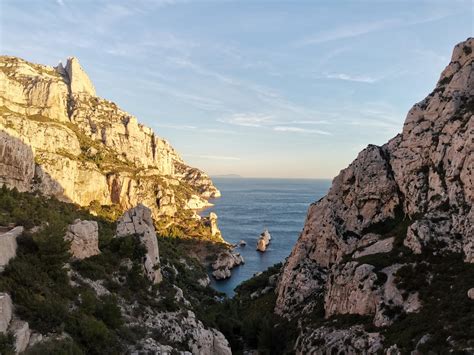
68, 134
224, 263
8, 245
138, 221
329, 340
204, 282
84, 238
6, 311
21, 332
79, 81
17, 166
263, 241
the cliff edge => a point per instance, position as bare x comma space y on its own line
395, 215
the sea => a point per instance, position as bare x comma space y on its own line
248, 206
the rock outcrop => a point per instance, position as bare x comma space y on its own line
79, 81
330, 340
137, 221
224, 263
58, 137
8, 245
184, 328
411, 196
21, 333
263, 241
6, 311
84, 238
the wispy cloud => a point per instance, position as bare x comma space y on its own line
355, 78
292, 129
363, 28
344, 32
201, 102
247, 119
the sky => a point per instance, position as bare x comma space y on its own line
256, 88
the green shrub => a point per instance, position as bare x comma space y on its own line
7, 344
55, 347
92, 334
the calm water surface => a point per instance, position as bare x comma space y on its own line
248, 206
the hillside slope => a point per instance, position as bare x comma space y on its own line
58, 137
385, 259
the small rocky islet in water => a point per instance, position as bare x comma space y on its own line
263, 241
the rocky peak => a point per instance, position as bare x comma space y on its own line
78, 79
58, 137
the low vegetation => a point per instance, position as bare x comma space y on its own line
54, 294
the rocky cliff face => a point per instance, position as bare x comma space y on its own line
58, 137
400, 204
137, 221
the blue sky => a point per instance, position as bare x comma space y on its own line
256, 88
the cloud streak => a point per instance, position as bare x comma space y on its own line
354, 78
345, 32
247, 119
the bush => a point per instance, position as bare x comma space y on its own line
7, 344
55, 347
92, 334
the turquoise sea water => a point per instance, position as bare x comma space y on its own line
248, 206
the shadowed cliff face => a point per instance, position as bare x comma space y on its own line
96, 152
410, 197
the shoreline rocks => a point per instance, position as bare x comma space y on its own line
224, 263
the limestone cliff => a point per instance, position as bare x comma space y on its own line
404, 206
58, 137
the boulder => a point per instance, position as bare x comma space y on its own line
8, 245
137, 221
6, 311
84, 238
